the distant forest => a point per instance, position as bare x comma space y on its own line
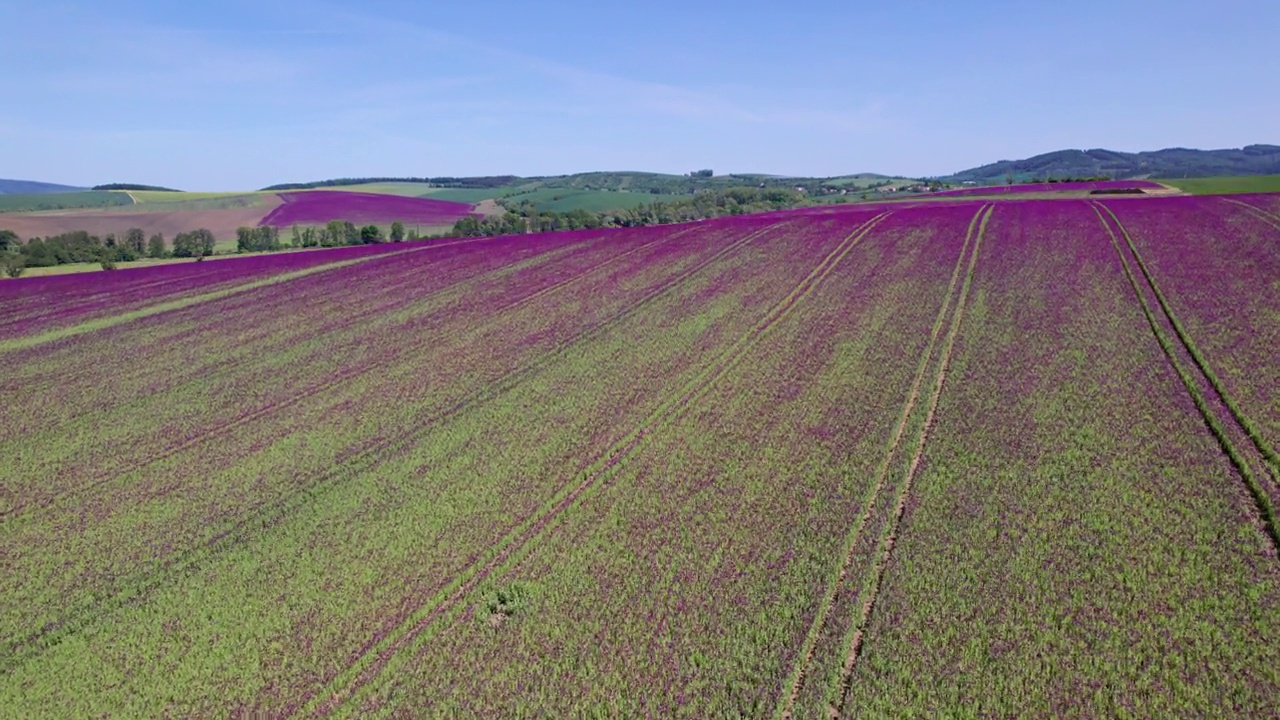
132, 186
1171, 164
449, 182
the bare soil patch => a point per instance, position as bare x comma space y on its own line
222, 223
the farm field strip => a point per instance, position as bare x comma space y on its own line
1073, 527
1267, 216
1219, 269
321, 339
801, 670
244, 526
187, 339
698, 517
1213, 385
316, 207
37, 304
833, 464
343, 374
462, 427
1257, 466
596, 473
102, 323
889, 536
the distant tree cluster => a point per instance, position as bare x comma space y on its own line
133, 186
257, 239
525, 217
481, 182
341, 232
82, 247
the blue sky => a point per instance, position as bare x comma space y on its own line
244, 94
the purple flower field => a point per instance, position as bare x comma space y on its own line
317, 207
835, 462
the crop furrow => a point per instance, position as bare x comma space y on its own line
264, 516
889, 536
338, 379
1269, 454
370, 665
1265, 216
791, 689
1214, 405
23, 343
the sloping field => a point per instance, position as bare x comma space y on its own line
1007, 459
317, 207
221, 217
59, 201
1025, 188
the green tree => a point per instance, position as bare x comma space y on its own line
397, 231
13, 264
136, 241
155, 246
9, 240
370, 234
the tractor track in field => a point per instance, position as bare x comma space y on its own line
801, 671
1266, 216
890, 538
1258, 464
243, 527
332, 381
365, 669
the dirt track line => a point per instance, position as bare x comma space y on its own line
341, 377
791, 690
1242, 420
370, 666
1213, 418
1266, 216
362, 460
890, 538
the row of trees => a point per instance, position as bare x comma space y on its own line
80, 246
337, 233
83, 247
524, 216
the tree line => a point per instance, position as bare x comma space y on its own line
525, 217
479, 182
80, 246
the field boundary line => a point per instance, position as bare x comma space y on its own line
364, 459
889, 538
1242, 419
370, 666
791, 688
30, 341
332, 381
1262, 214
1262, 499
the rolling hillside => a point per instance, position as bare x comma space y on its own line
1167, 163
31, 187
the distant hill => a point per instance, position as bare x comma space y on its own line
31, 187
1168, 163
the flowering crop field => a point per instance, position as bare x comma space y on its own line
1011, 458
1025, 188
317, 207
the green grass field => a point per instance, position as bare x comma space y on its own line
563, 200
151, 201
62, 201
1227, 185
